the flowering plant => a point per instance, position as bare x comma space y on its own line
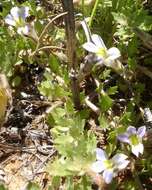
134, 138
109, 167
17, 18
104, 55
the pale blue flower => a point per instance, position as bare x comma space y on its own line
97, 46
109, 167
17, 18
134, 138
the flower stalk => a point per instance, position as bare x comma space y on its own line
71, 49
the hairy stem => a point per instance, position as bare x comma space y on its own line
71, 49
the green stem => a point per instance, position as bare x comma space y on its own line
137, 180
82, 5
93, 12
135, 175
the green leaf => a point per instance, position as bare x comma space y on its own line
58, 168
110, 148
2, 187
120, 18
64, 140
55, 182
105, 74
132, 63
54, 64
32, 186
121, 129
104, 124
50, 120
58, 114
112, 90
126, 118
70, 107
105, 102
62, 129
59, 91
69, 183
16, 81
113, 185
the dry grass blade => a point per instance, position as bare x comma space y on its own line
5, 97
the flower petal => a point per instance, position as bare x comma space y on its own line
93, 58
124, 138
108, 175
89, 46
98, 166
141, 131
113, 53
120, 161
98, 41
119, 158
22, 12
136, 149
141, 148
10, 20
23, 30
33, 33
100, 61
108, 62
131, 130
123, 165
101, 155
15, 12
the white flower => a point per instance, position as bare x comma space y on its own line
97, 46
17, 18
109, 167
134, 138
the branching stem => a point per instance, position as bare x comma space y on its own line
45, 30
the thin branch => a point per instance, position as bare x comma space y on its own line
145, 70
48, 25
145, 37
92, 106
45, 30
50, 47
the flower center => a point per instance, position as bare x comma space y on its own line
19, 22
134, 139
102, 52
108, 164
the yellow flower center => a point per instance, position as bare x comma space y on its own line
102, 52
108, 164
134, 139
19, 22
